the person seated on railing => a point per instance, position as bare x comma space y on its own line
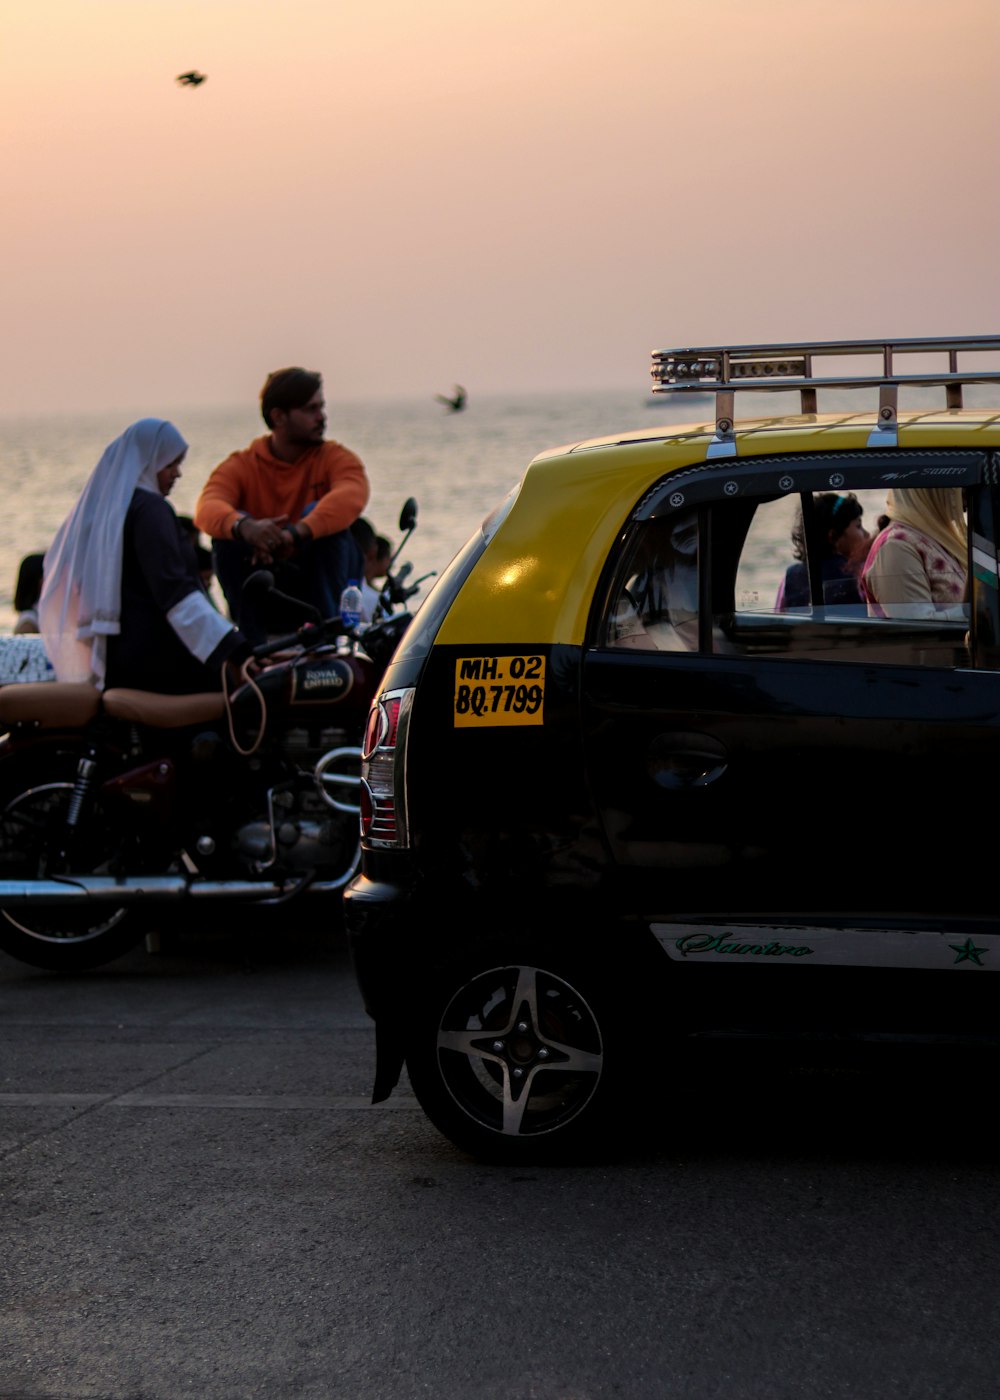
26, 592
838, 525
377, 563
377, 552
285, 504
122, 602
917, 564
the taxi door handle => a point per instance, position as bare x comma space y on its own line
686, 759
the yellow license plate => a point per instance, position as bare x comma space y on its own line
492, 690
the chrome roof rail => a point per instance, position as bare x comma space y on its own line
734, 368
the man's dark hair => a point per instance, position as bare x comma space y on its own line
364, 532
287, 389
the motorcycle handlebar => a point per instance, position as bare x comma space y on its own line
394, 588
315, 633
309, 634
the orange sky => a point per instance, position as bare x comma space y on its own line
531, 195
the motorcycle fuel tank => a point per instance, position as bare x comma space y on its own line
326, 687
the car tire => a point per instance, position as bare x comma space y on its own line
517, 1055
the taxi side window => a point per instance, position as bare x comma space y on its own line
807, 551
755, 576
654, 601
780, 587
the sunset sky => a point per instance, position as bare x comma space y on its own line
531, 195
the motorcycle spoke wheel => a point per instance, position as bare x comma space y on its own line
32, 824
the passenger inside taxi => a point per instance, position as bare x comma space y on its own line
657, 606
837, 530
916, 566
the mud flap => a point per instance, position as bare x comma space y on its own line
389, 1059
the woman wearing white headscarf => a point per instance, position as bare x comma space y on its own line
122, 602
917, 566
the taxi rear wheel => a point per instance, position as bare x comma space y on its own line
519, 1059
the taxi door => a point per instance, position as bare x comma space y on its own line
752, 764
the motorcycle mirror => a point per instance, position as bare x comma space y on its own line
407, 523
262, 581
408, 515
306, 609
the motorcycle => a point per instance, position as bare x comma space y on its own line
126, 803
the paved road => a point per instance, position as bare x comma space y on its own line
199, 1200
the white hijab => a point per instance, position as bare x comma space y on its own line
81, 602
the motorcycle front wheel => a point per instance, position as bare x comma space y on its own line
34, 802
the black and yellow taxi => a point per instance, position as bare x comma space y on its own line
663, 757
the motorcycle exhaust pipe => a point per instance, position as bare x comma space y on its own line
104, 889
92, 889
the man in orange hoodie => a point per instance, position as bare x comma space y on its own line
286, 503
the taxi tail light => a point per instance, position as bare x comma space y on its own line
383, 772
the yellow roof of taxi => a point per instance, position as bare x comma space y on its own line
535, 583
804, 432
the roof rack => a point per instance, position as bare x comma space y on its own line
726, 369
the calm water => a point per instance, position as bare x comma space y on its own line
457, 465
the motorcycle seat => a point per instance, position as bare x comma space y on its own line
49, 704
161, 711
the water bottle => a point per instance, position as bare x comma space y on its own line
350, 605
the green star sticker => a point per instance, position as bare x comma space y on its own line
968, 952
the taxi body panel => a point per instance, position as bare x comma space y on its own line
588, 825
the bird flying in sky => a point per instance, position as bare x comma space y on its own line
191, 79
457, 400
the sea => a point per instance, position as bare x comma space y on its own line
457, 466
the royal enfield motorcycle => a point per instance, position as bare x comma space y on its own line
119, 807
